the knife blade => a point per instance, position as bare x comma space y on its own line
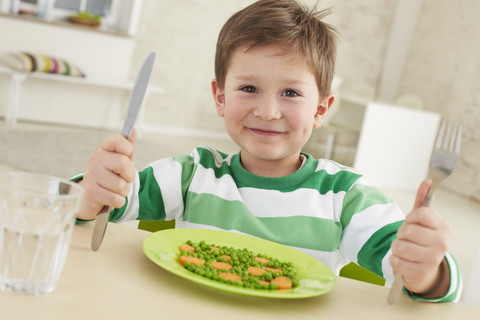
136, 99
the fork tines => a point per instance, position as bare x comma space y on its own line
449, 137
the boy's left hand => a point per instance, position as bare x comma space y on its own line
420, 247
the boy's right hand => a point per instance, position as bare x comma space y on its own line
108, 175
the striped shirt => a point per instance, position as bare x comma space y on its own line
323, 209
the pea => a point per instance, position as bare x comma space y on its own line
295, 282
268, 276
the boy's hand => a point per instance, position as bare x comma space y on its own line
108, 174
419, 250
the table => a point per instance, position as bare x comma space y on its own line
120, 282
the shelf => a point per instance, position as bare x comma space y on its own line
17, 79
66, 24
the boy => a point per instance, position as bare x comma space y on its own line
273, 66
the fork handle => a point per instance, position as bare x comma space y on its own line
428, 198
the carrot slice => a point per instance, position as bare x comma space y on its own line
273, 269
191, 260
187, 248
255, 271
221, 265
282, 282
262, 260
230, 276
263, 282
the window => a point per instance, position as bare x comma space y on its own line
117, 15
100, 7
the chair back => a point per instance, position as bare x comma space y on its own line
395, 145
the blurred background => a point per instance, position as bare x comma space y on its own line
421, 54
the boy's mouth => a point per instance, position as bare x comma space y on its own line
265, 132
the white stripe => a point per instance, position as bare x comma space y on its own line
455, 283
205, 182
387, 268
333, 260
364, 224
331, 167
168, 174
131, 211
300, 202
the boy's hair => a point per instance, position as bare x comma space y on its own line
287, 24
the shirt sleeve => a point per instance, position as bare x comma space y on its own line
158, 192
454, 291
370, 221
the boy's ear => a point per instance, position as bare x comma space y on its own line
219, 97
322, 110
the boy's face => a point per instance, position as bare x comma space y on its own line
271, 104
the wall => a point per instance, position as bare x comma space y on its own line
443, 68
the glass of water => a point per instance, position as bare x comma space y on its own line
37, 215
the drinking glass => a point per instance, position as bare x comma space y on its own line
37, 215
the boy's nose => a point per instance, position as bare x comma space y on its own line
267, 109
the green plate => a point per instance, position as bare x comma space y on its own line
315, 278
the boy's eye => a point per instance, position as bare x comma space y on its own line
290, 93
249, 89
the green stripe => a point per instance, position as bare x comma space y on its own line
307, 177
298, 231
150, 197
359, 198
188, 171
118, 213
374, 250
207, 160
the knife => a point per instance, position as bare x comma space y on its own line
136, 99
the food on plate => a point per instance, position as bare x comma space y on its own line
191, 260
238, 267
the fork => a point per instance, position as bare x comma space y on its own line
443, 161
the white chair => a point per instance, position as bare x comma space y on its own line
395, 145
471, 294
345, 116
409, 100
